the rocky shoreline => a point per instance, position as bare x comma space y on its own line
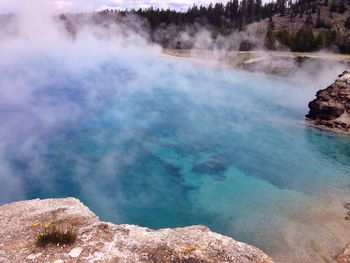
331, 108
279, 63
97, 241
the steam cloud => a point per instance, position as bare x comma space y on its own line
34, 102
70, 91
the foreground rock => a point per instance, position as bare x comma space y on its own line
105, 242
331, 108
344, 256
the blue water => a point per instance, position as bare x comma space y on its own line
167, 144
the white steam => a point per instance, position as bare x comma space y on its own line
37, 53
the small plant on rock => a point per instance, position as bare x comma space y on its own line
51, 234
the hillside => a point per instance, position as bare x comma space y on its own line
314, 14
303, 26
310, 26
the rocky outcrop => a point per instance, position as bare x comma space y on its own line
344, 256
98, 241
331, 108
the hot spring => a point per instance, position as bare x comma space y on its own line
160, 143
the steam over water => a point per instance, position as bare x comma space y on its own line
149, 141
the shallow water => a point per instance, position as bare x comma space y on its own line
175, 145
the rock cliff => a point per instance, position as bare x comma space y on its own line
96, 241
331, 108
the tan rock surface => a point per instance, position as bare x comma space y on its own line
344, 256
98, 241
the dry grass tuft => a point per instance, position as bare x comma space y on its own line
50, 234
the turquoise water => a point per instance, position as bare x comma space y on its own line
166, 144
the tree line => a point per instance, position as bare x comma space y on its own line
223, 18
236, 15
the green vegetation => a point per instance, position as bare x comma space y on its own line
314, 24
303, 40
343, 43
329, 37
306, 40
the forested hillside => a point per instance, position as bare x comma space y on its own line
303, 25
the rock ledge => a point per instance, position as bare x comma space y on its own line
331, 108
98, 241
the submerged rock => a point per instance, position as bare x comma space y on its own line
106, 242
331, 108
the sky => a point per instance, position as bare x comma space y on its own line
7, 6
